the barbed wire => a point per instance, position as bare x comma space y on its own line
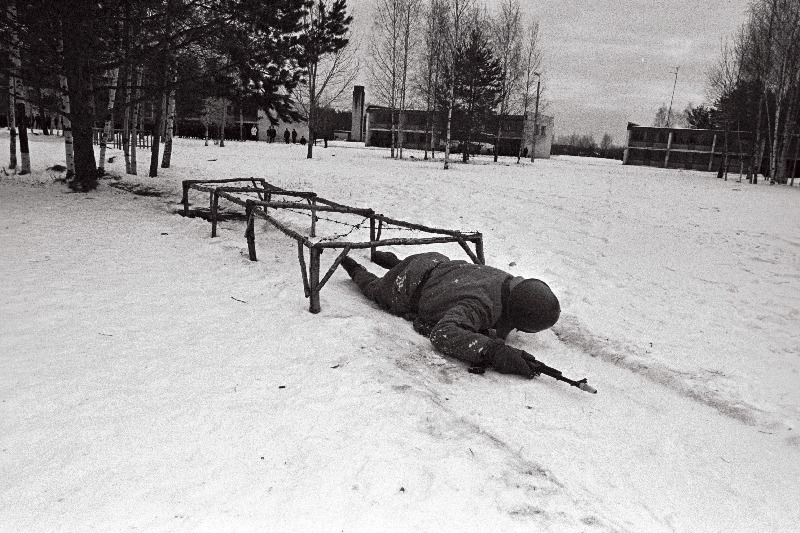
353, 227
343, 235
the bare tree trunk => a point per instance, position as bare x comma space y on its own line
723, 169
12, 127
161, 84
19, 98
773, 160
22, 124
428, 121
241, 121
394, 133
796, 156
407, 29
157, 125
69, 152
77, 48
127, 77
166, 160
24, 150
450, 97
224, 121
755, 164
109, 122
135, 120
312, 104
12, 86
783, 158
126, 120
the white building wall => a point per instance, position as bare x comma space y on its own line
544, 139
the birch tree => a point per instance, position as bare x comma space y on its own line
507, 43
135, 119
392, 44
409, 21
66, 128
13, 53
324, 37
109, 120
428, 77
532, 63
766, 54
457, 23
784, 82
169, 129
385, 50
17, 113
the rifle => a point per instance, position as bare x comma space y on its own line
553, 373
550, 371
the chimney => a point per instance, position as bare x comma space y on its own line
356, 125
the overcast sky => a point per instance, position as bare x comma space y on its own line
610, 62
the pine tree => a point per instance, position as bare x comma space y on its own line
700, 117
478, 76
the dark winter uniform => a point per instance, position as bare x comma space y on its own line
457, 303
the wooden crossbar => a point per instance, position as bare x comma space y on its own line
309, 201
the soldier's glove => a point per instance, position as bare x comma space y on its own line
508, 360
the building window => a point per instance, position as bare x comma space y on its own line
543, 130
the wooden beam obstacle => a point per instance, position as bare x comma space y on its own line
256, 196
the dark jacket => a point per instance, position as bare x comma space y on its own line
457, 301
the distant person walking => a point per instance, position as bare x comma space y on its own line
286, 135
272, 132
294, 136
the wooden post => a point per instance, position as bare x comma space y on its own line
185, 199
669, 145
313, 202
372, 238
479, 249
214, 209
314, 306
711, 159
250, 232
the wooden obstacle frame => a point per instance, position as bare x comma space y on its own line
260, 198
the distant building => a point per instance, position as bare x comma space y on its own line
686, 148
516, 130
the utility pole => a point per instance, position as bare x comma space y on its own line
536, 115
669, 112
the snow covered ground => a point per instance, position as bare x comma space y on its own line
155, 379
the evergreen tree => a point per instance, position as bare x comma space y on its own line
700, 117
91, 32
478, 79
